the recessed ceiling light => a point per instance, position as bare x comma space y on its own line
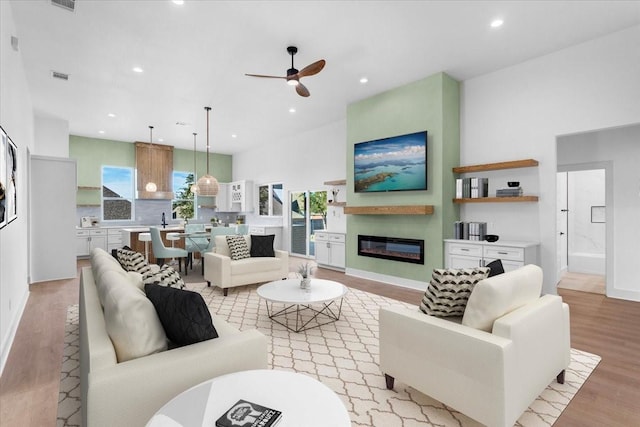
111, 115
178, 2
160, 140
363, 80
497, 23
234, 135
100, 131
138, 69
292, 110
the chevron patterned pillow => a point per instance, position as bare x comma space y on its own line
133, 261
449, 290
238, 247
167, 276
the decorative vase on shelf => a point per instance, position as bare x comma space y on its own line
305, 283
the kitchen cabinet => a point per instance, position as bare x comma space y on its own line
241, 196
330, 249
86, 240
236, 196
114, 239
265, 230
471, 253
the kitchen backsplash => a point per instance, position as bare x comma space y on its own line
148, 212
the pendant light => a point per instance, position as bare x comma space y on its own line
194, 186
151, 186
207, 184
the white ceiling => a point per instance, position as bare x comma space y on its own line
196, 55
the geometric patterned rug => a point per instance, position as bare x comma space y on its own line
344, 356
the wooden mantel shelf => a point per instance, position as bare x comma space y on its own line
390, 210
526, 163
336, 182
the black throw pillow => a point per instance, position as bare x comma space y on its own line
262, 245
495, 268
184, 314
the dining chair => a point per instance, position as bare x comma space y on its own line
161, 252
194, 244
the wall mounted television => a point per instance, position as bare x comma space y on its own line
398, 163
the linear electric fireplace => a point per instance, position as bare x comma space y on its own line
393, 248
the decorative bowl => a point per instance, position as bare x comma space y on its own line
491, 237
513, 183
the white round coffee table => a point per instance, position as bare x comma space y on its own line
325, 294
303, 401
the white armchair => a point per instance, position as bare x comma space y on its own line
222, 271
493, 376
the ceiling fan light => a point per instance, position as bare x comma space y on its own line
293, 82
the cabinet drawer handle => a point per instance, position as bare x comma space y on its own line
503, 253
464, 249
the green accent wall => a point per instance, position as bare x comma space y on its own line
430, 104
92, 153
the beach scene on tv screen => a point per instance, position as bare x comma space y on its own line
391, 164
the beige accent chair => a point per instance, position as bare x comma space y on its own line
508, 348
221, 271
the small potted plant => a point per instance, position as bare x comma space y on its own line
305, 270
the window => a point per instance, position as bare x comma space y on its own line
270, 199
183, 206
117, 193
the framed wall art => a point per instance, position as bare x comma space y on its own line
8, 179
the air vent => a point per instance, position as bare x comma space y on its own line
59, 75
69, 5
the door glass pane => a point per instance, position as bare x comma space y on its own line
299, 223
317, 216
263, 200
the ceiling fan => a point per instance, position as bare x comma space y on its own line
293, 75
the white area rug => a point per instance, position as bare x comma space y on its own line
344, 356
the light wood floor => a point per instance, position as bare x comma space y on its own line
600, 325
593, 283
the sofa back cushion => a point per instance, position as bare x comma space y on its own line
496, 296
130, 319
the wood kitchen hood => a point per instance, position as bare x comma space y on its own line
154, 162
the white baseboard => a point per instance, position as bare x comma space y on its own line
11, 335
384, 278
623, 294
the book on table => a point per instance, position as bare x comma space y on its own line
249, 414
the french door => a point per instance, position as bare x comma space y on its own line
308, 214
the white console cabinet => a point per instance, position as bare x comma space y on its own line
86, 240
114, 239
330, 249
471, 253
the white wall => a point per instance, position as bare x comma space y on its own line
519, 111
301, 163
16, 118
619, 147
51, 137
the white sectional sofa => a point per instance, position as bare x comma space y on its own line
128, 393
222, 271
491, 364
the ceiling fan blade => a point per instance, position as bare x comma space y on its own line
302, 90
312, 69
269, 77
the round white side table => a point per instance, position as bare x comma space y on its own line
303, 401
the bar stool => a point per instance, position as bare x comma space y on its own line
146, 238
172, 237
